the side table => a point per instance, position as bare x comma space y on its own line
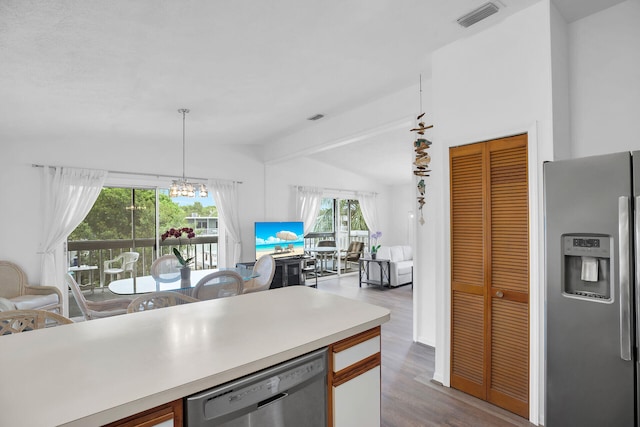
77, 270
385, 268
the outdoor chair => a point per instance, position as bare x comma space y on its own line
352, 254
219, 284
325, 257
126, 262
266, 268
160, 299
16, 321
97, 309
15, 289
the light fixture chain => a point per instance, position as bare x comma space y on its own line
183, 187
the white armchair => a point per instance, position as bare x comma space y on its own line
126, 262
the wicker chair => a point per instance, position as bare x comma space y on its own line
15, 321
220, 284
160, 299
166, 269
15, 289
266, 268
97, 309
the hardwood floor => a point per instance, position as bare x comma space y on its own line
409, 397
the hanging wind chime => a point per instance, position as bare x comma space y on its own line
421, 164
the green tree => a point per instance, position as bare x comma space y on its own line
116, 209
108, 219
324, 222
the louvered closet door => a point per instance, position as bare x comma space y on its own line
508, 302
490, 272
467, 269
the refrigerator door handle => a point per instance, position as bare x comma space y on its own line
624, 254
636, 224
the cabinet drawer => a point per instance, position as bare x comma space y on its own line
358, 352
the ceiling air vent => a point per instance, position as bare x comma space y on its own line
478, 15
316, 117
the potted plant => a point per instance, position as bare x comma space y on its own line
374, 248
185, 270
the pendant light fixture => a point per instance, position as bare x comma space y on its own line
182, 187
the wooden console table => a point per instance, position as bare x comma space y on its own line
385, 272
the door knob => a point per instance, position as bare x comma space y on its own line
499, 294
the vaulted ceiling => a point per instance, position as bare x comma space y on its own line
250, 71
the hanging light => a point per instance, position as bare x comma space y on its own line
182, 187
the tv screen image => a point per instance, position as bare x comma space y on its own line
279, 239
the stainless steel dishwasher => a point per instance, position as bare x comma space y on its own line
291, 394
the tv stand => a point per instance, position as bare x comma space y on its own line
289, 271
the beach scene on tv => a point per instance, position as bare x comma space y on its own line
279, 239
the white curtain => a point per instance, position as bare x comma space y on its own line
308, 206
68, 195
369, 210
225, 194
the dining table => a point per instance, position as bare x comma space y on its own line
323, 253
146, 284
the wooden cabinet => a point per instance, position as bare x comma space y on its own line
167, 415
354, 380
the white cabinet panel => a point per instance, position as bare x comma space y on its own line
356, 403
356, 353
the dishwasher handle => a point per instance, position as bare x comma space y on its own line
272, 399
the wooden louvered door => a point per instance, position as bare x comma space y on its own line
490, 272
467, 269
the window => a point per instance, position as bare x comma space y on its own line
347, 215
133, 219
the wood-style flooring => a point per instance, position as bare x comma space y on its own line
409, 397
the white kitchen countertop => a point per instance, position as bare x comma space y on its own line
92, 373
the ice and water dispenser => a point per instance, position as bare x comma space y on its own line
586, 265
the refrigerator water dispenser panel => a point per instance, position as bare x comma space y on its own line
587, 265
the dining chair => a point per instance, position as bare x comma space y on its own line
126, 262
166, 269
219, 284
265, 267
97, 309
16, 321
160, 299
15, 288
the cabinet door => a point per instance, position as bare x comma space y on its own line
356, 402
354, 380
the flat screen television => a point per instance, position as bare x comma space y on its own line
279, 239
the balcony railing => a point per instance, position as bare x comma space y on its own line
96, 252
312, 239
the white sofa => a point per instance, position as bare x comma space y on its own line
400, 266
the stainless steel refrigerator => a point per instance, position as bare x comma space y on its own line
592, 233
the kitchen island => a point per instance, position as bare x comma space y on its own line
96, 372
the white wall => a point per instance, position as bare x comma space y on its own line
605, 83
388, 108
20, 189
487, 86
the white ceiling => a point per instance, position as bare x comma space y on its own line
250, 71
